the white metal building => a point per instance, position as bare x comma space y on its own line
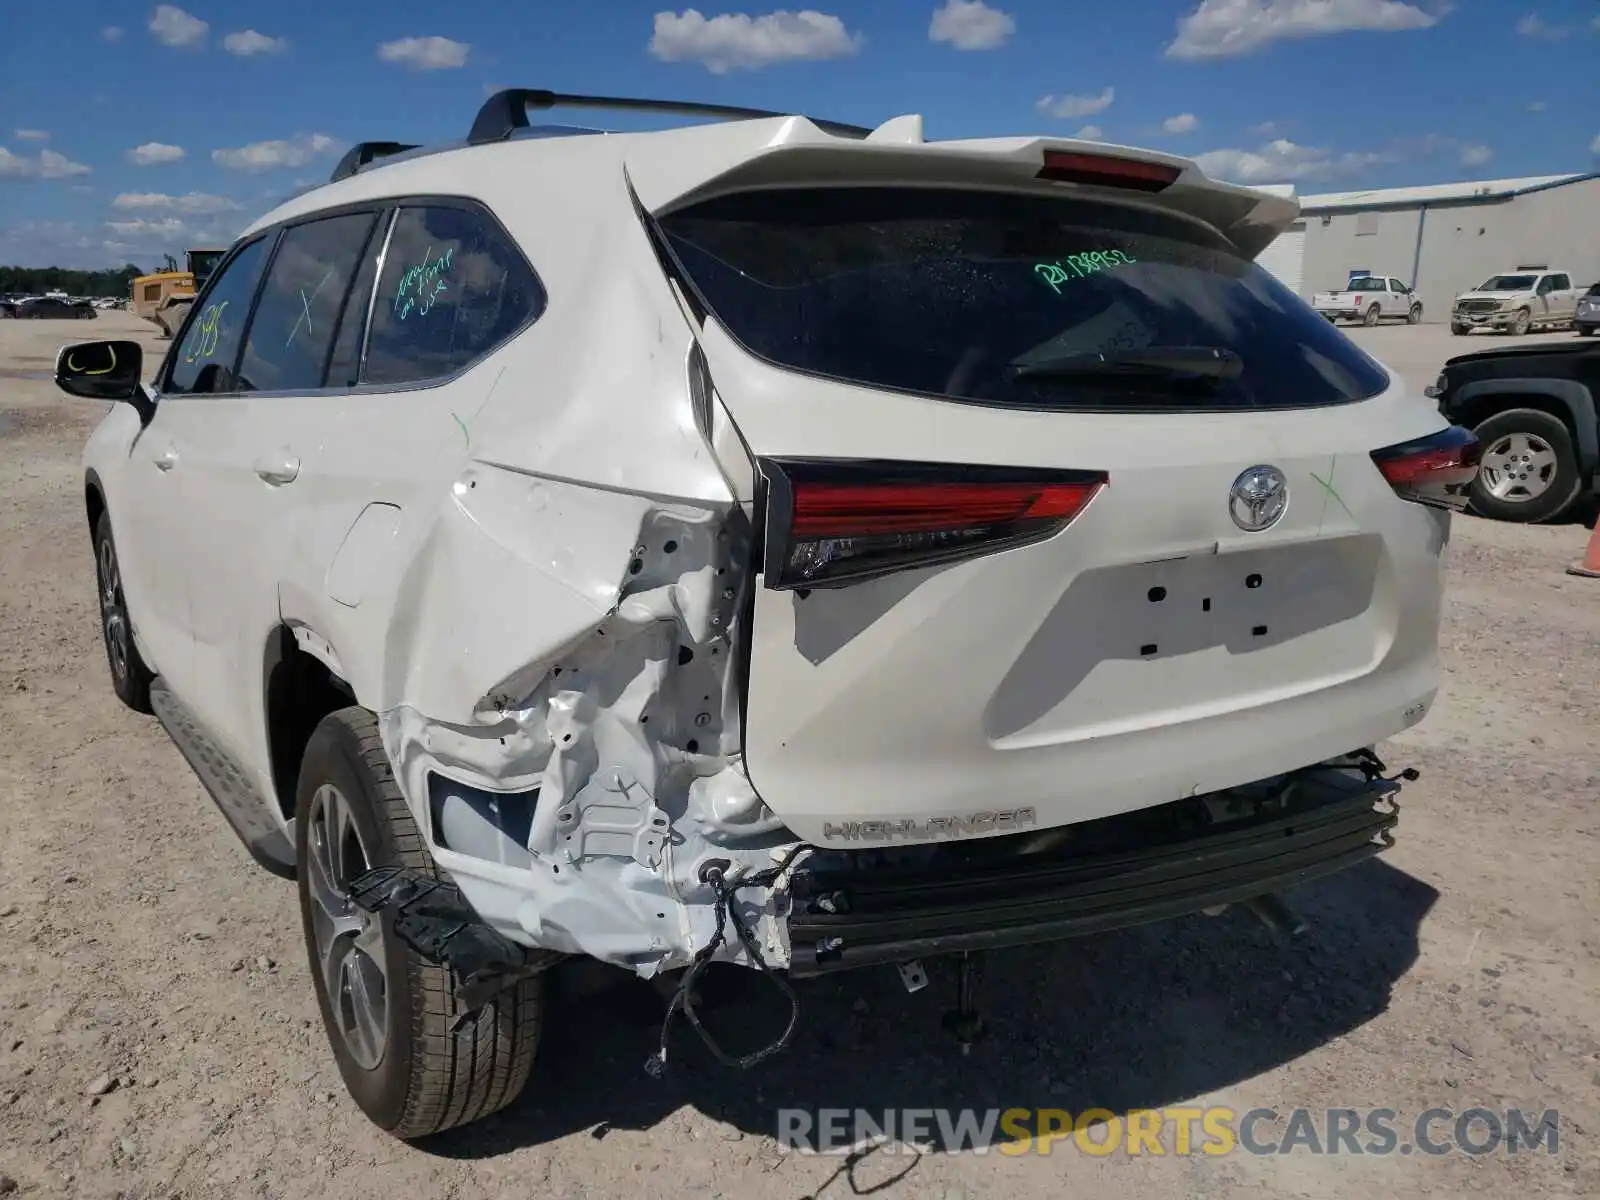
1442, 239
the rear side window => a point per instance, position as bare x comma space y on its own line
948, 293
203, 361
297, 317
453, 288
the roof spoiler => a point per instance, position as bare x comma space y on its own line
506, 111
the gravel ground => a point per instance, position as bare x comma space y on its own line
158, 1033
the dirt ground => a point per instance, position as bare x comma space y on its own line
147, 959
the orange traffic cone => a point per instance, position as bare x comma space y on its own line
1589, 567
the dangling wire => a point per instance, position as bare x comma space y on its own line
725, 893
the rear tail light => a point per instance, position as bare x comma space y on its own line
1358, 298
1107, 171
1435, 470
831, 523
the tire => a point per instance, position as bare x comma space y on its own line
1586, 330
1371, 316
1414, 317
1458, 330
130, 677
1523, 322
1537, 496
423, 1078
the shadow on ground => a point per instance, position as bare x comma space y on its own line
1136, 1019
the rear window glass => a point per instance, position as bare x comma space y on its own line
947, 293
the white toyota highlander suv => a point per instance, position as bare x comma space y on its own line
765, 541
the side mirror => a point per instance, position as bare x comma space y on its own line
100, 370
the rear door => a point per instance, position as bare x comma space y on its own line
1025, 558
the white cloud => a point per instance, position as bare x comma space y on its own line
1537, 106
1283, 161
47, 164
166, 227
1535, 26
971, 25
266, 156
1076, 106
1265, 129
152, 153
248, 42
1226, 28
1594, 146
1090, 133
425, 53
31, 135
1475, 154
194, 203
739, 41
1182, 123
111, 33
174, 27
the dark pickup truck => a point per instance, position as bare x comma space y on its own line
1534, 411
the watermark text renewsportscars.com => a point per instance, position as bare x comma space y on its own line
1172, 1130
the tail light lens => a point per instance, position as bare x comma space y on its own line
1107, 170
1435, 470
1357, 300
830, 523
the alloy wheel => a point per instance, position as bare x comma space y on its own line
113, 611
350, 941
1518, 467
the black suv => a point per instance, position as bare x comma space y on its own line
1534, 411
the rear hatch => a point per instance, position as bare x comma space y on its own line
1025, 558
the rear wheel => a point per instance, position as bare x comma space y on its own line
1414, 317
1372, 315
1529, 471
389, 1014
130, 677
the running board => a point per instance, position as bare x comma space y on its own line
246, 810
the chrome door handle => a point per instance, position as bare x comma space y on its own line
279, 468
167, 459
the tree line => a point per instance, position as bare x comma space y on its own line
34, 280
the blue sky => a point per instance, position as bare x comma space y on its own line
129, 129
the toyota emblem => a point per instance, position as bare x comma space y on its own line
1258, 498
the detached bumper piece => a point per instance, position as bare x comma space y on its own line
860, 908
434, 919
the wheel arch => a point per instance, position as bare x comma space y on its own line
1567, 400
94, 498
302, 682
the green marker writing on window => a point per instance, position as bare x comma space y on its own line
1080, 266
421, 286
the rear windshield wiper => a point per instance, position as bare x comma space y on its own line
1160, 362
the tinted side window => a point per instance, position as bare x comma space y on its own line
1560, 282
203, 361
453, 288
297, 316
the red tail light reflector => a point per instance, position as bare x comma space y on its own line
1107, 170
1435, 470
831, 523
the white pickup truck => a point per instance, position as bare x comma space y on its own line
1370, 298
1517, 302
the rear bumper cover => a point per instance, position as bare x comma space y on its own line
853, 912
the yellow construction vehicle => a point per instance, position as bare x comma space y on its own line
164, 297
